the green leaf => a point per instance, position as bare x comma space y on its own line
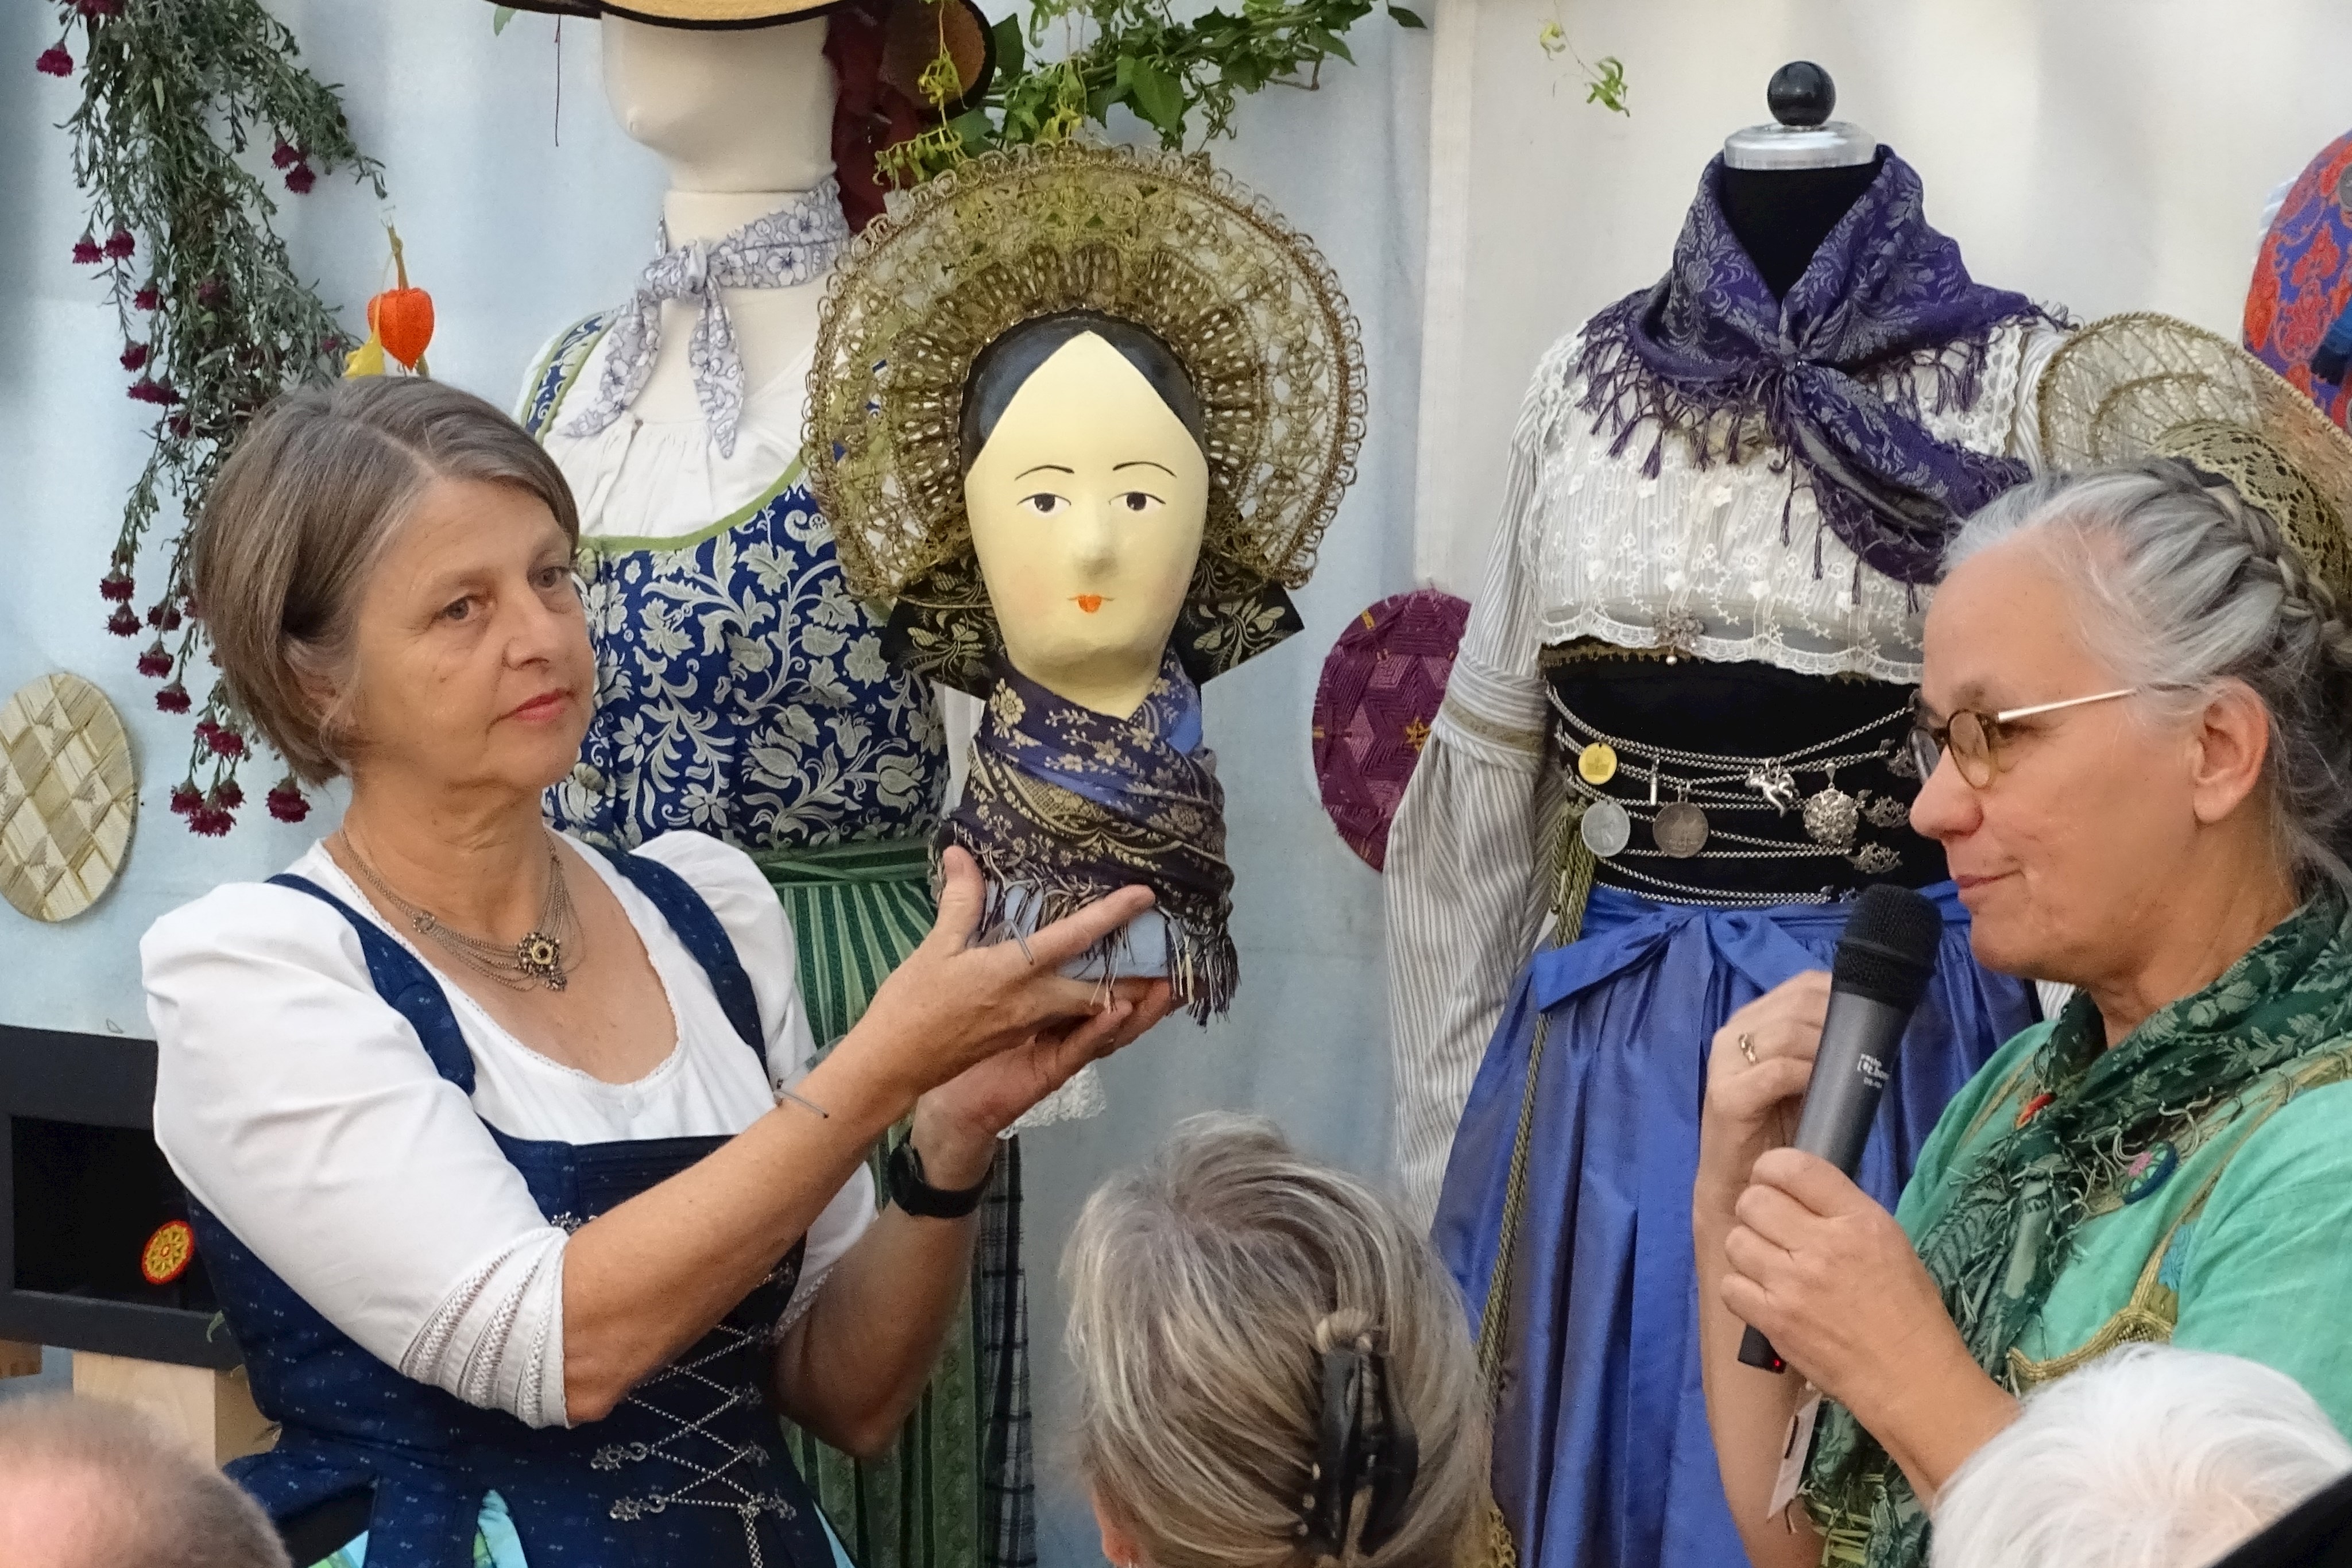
1011, 57
1404, 19
1159, 98
499, 16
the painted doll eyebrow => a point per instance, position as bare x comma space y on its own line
1041, 468
1144, 462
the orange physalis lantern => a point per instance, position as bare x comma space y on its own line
401, 316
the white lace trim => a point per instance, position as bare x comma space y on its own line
494, 1338
1075, 1101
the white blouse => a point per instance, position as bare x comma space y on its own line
299, 1108
1590, 547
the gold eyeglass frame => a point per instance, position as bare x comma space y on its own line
1931, 742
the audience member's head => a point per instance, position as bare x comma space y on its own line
1273, 1368
85, 1484
2149, 1457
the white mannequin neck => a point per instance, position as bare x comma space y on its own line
743, 120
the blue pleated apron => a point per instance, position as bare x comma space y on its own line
689, 1469
1602, 1456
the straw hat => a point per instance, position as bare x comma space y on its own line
2147, 385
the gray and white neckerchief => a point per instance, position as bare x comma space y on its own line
793, 244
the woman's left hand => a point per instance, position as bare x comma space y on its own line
1834, 1283
961, 1119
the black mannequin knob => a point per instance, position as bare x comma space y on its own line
1801, 94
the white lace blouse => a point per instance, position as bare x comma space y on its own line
299, 1108
1590, 547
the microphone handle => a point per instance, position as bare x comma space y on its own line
1858, 1039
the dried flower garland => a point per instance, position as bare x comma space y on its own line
214, 321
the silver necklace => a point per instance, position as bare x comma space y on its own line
538, 959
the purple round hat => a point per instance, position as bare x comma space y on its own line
1381, 688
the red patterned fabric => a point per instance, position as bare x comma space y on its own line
1380, 687
2301, 279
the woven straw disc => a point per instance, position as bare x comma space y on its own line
68, 797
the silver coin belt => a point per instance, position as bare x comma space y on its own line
1688, 790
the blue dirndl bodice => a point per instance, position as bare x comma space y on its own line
688, 1468
741, 690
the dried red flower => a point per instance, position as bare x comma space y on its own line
123, 622
212, 292
210, 821
148, 298
117, 587
285, 155
99, 7
186, 797
225, 742
287, 801
299, 179
173, 698
180, 425
170, 621
147, 389
86, 252
54, 62
119, 244
155, 663
134, 355
229, 794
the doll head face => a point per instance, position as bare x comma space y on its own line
1087, 492
737, 109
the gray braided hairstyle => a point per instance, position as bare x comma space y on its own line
2187, 585
1204, 1287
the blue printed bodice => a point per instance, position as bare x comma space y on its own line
741, 690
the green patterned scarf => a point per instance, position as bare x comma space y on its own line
2009, 1228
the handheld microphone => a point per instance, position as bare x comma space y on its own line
1882, 965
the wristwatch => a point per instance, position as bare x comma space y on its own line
911, 1192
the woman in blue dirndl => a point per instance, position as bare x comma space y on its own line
521, 1201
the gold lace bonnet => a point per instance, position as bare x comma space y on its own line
2144, 384
1245, 302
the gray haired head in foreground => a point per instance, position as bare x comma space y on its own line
1204, 1287
86, 1484
2182, 585
2149, 1457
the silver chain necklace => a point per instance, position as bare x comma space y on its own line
538, 959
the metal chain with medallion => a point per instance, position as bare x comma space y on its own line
539, 958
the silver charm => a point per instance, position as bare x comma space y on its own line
1875, 860
1606, 829
1678, 632
1832, 817
1899, 761
1680, 829
1884, 810
1776, 784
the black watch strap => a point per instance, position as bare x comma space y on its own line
911, 1192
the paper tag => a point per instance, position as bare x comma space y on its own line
1793, 1452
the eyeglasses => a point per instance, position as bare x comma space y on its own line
1975, 739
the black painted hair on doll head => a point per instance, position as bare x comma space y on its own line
1001, 369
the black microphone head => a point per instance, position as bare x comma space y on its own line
1888, 951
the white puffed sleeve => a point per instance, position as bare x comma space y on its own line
1466, 899
739, 893
303, 1111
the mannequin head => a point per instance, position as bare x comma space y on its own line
1087, 492
731, 109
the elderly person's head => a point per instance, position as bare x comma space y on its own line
385, 568
85, 1484
1208, 1289
2217, 781
2149, 1457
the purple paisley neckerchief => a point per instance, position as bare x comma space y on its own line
1884, 290
1066, 805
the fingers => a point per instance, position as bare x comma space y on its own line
962, 893
1747, 1095
1051, 947
1812, 1183
1773, 1218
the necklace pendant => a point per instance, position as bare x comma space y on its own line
1597, 763
1875, 860
1831, 818
1776, 784
1606, 828
540, 957
1884, 810
1680, 829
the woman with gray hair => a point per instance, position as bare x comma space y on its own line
1273, 1366
2151, 1457
2136, 724
506, 1154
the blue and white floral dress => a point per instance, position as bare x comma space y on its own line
744, 693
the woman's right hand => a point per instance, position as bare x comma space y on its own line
1751, 1106
950, 1004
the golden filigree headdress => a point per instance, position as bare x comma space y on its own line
1245, 302
2144, 384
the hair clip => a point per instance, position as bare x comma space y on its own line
1353, 1453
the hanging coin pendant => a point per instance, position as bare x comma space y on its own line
540, 956
1597, 763
1606, 829
1831, 818
1680, 829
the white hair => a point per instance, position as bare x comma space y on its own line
161, 1508
2149, 1457
1205, 1288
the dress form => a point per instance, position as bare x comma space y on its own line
742, 119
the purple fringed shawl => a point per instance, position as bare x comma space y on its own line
1710, 339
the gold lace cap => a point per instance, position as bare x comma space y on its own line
1245, 302
2144, 384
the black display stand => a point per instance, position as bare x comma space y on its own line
82, 1185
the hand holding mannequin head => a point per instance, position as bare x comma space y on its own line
733, 110
1087, 492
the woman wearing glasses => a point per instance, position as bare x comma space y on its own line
2136, 728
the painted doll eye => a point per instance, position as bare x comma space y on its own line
1139, 501
1046, 503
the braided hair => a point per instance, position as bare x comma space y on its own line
2194, 585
